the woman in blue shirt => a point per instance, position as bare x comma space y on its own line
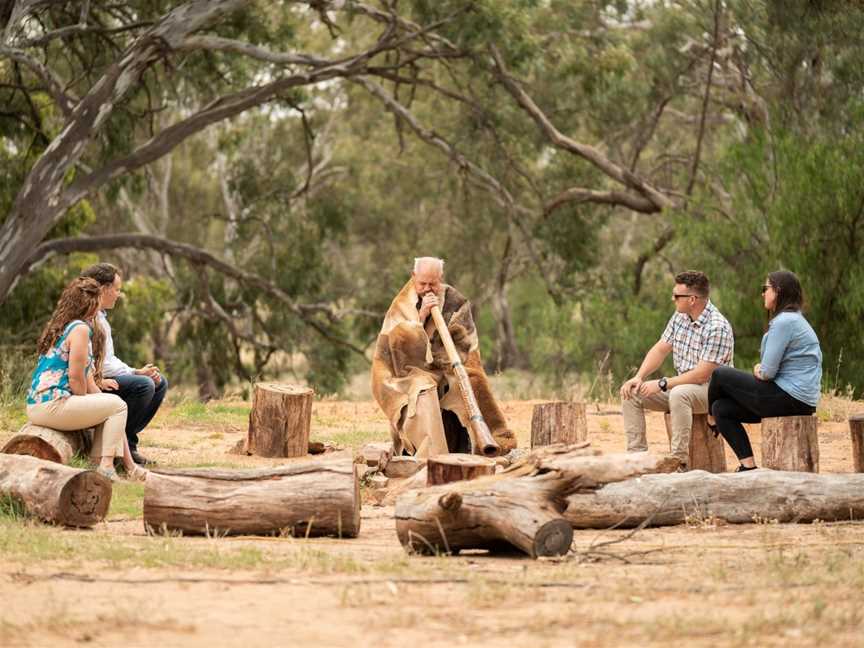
63, 393
787, 380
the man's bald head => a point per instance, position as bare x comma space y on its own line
428, 275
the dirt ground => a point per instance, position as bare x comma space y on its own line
761, 584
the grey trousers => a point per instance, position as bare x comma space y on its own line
681, 402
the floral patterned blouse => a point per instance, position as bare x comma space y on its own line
51, 377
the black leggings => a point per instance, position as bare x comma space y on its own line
736, 397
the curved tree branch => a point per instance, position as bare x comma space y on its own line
195, 255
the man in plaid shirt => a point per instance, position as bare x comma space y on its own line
700, 340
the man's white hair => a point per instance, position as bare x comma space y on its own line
434, 262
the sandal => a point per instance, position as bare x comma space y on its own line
108, 473
137, 474
743, 468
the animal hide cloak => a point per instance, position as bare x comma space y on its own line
410, 359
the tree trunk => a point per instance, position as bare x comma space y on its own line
280, 420
520, 507
790, 443
319, 498
50, 445
706, 451
856, 429
55, 493
446, 468
561, 422
737, 498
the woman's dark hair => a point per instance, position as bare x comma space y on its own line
103, 273
790, 296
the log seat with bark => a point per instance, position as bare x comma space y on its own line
737, 498
49, 444
55, 493
791, 443
707, 451
280, 420
456, 466
310, 498
559, 422
520, 507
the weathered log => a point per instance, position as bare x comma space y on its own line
54, 492
280, 420
48, 444
446, 468
402, 467
791, 443
314, 498
560, 422
707, 451
856, 429
377, 454
737, 498
520, 507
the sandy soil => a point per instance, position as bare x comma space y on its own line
758, 584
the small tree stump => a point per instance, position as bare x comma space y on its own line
446, 468
706, 450
55, 493
561, 422
790, 443
856, 429
280, 420
48, 444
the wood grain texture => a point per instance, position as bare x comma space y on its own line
856, 430
790, 443
310, 498
48, 444
560, 422
280, 420
446, 468
737, 498
707, 452
54, 492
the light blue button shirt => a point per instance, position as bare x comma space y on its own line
791, 357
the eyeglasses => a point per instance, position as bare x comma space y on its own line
766, 287
674, 296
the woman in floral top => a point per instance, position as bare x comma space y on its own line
63, 393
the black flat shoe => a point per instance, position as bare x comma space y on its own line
743, 468
140, 459
713, 428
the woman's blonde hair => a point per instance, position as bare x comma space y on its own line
79, 301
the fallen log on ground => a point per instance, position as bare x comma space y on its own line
54, 492
48, 444
521, 507
737, 498
310, 498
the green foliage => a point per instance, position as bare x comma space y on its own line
136, 318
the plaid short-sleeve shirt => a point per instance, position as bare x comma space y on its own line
709, 337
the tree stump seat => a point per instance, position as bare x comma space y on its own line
791, 443
706, 451
558, 422
856, 430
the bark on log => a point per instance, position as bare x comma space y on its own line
790, 443
561, 422
520, 507
856, 429
314, 498
55, 493
737, 498
707, 452
48, 444
446, 468
280, 420
376, 454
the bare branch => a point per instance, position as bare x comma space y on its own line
193, 254
579, 195
52, 83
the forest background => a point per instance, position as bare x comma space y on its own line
265, 172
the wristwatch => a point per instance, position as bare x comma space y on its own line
662, 384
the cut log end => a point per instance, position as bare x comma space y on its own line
553, 539
34, 447
447, 468
85, 497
